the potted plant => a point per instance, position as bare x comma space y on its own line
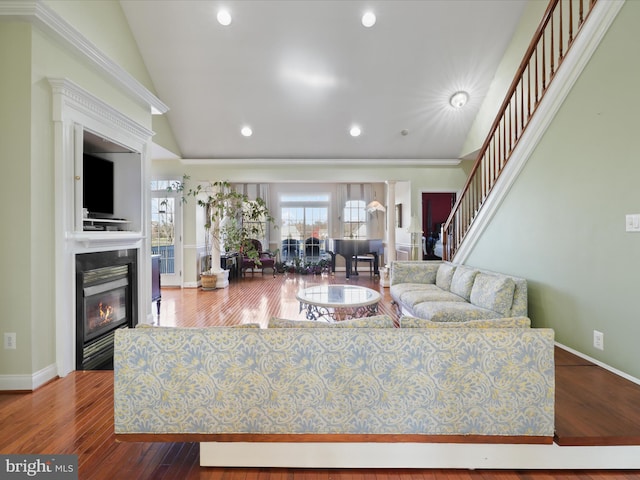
233, 219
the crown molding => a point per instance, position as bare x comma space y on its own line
333, 162
78, 99
40, 15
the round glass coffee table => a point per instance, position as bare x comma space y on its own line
338, 302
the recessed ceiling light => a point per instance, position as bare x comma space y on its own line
224, 17
246, 131
355, 131
369, 19
459, 99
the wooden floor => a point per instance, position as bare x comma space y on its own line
75, 414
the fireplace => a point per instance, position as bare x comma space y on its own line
106, 300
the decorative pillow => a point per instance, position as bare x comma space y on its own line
379, 321
509, 322
412, 271
493, 293
246, 325
445, 275
462, 281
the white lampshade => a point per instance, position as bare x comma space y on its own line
375, 206
414, 226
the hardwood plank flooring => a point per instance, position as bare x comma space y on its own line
74, 414
595, 407
253, 299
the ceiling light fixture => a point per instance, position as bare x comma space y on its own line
246, 131
369, 19
224, 17
355, 131
459, 99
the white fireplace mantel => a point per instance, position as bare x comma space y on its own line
75, 111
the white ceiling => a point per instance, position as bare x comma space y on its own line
301, 72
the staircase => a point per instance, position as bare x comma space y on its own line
544, 74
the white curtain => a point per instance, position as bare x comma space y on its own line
368, 193
263, 191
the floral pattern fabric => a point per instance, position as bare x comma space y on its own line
510, 322
377, 321
462, 281
414, 272
355, 380
493, 293
445, 275
453, 312
496, 295
400, 289
429, 295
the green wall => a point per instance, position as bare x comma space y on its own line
27, 258
15, 154
562, 225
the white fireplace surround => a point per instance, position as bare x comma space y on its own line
75, 111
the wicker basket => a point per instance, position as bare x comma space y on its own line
208, 281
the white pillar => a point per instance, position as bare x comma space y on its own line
390, 253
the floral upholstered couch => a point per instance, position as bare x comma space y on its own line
363, 383
446, 292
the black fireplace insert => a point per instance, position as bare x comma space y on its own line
106, 299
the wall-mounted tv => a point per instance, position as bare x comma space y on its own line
97, 187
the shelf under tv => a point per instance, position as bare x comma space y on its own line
104, 224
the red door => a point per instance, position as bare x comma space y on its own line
436, 208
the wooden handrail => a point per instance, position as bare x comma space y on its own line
549, 46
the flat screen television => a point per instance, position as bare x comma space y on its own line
97, 187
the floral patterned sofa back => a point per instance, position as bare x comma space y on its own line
363, 381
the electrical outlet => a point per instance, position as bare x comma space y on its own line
10, 341
598, 340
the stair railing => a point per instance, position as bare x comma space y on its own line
551, 42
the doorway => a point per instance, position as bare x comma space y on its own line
436, 208
166, 238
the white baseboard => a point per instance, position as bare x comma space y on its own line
417, 455
28, 381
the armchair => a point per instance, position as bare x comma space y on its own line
290, 248
265, 260
312, 247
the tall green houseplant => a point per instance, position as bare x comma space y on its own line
233, 219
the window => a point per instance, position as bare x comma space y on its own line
256, 226
163, 225
304, 217
354, 219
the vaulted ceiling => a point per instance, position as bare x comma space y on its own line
301, 73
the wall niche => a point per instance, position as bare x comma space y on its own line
110, 197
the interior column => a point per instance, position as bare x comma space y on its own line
390, 252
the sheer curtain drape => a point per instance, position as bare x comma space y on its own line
342, 195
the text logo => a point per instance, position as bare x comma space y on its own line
51, 467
